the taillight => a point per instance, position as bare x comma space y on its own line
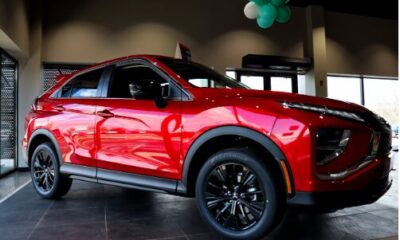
331, 143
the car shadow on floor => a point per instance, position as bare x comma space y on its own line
94, 211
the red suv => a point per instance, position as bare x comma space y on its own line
168, 125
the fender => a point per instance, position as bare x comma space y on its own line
49, 135
260, 138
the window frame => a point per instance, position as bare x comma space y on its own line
267, 75
57, 94
59, 68
174, 86
362, 82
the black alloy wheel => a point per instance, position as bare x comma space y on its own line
45, 173
238, 196
234, 197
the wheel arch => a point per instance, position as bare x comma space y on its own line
191, 160
39, 136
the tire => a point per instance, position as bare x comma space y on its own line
45, 173
248, 204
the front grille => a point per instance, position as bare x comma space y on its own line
379, 124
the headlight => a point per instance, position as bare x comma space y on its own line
324, 110
331, 143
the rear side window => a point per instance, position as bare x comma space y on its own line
82, 86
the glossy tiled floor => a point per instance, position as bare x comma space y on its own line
11, 182
92, 211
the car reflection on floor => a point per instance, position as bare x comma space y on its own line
93, 211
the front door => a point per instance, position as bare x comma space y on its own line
133, 134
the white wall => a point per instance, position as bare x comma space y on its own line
20, 36
14, 31
217, 31
361, 45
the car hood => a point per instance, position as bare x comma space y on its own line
238, 95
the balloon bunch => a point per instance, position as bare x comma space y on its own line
267, 12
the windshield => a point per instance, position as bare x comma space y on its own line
200, 76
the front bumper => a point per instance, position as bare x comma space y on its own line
343, 199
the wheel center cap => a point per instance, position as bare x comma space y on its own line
235, 196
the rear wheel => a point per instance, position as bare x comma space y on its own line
45, 173
237, 196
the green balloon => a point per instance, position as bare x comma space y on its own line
264, 22
283, 14
279, 3
268, 11
261, 2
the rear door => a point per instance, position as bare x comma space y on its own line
73, 117
134, 134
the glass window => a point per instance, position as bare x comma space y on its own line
82, 86
231, 74
138, 82
301, 79
382, 97
199, 82
281, 84
254, 82
345, 89
51, 71
192, 72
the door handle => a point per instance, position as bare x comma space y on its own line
105, 114
59, 108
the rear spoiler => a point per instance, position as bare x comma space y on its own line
59, 77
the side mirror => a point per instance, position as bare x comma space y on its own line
148, 91
151, 91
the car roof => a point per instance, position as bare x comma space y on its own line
115, 60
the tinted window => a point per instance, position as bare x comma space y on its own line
82, 86
139, 82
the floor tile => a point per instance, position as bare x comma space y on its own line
70, 232
94, 211
144, 229
15, 232
10, 182
55, 217
365, 226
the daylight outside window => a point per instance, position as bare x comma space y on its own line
281, 84
382, 97
254, 82
346, 89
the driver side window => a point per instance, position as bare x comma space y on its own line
137, 82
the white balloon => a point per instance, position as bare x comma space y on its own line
251, 10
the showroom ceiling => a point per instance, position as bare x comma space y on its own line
382, 9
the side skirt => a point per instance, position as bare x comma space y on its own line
120, 179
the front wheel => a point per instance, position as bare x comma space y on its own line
45, 173
236, 194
